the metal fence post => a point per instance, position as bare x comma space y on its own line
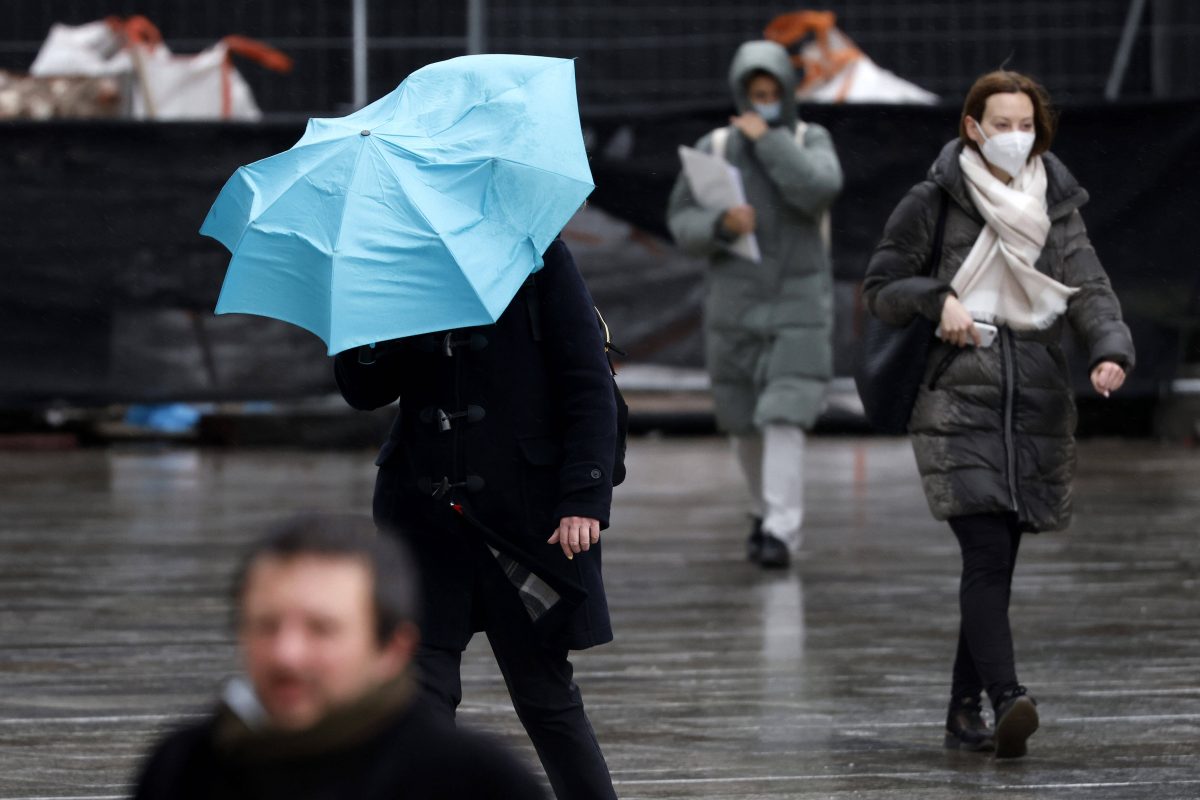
359, 59
1133, 22
476, 26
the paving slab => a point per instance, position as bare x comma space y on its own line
828, 680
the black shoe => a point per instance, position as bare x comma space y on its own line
774, 553
755, 542
965, 727
1016, 720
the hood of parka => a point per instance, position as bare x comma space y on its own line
771, 58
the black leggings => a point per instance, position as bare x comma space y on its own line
984, 661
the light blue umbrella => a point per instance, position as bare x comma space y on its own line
422, 212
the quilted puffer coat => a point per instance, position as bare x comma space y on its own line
993, 428
767, 326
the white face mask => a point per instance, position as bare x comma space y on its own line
1009, 150
769, 111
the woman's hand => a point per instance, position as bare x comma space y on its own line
1107, 377
957, 326
576, 535
739, 220
752, 126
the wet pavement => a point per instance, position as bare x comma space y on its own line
827, 680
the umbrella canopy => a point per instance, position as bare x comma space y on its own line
421, 212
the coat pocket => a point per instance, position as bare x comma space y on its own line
540, 457
540, 451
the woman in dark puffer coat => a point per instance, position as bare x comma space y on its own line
993, 426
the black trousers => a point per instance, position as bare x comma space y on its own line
539, 681
984, 661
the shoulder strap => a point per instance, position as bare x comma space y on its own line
939, 233
826, 223
720, 141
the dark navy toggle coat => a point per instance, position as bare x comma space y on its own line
514, 433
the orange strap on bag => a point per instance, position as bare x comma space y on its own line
259, 52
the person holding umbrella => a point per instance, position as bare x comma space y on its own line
418, 237
994, 421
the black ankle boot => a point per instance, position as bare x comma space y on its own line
774, 553
965, 727
755, 542
1016, 720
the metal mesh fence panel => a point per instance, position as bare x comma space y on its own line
635, 56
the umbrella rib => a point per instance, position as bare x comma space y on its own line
346, 202
438, 191
543, 169
555, 63
302, 176
503, 222
340, 227
429, 222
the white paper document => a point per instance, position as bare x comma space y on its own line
717, 184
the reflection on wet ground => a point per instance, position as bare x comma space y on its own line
828, 680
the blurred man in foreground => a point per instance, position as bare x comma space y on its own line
325, 611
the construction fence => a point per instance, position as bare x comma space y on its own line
643, 57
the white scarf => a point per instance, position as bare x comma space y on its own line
998, 281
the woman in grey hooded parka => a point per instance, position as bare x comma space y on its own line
768, 324
993, 425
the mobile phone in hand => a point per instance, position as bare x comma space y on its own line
987, 334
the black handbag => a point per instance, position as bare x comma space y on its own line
891, 360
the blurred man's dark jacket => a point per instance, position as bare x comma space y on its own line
385, 746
